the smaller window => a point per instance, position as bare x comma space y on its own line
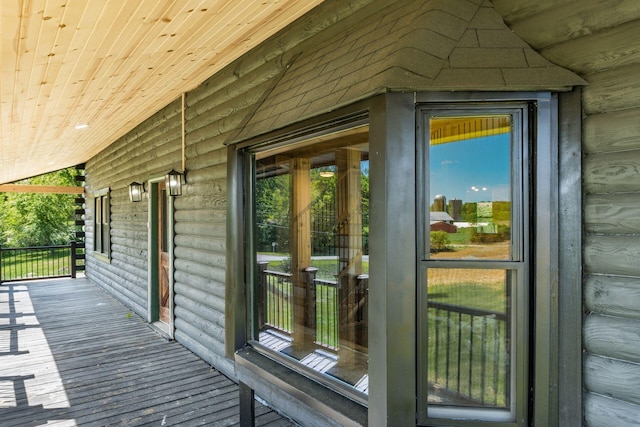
475, 267
101, 229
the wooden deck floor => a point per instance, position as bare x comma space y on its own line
70, 355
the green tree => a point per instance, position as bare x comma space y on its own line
273, 212
439, 241
364, 189
502, 212
470, 212
323, 212
38, 219
273, 194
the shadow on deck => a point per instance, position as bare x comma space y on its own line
71, 355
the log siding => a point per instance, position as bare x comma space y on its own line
256, 94
599, 40
241, 101
215, 112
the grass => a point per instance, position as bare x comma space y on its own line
481, 289
326, 316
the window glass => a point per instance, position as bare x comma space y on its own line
102, 233
311, 241
105, 224
473, 329
470, 187
468, 331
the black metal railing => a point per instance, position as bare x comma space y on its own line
468, 347
275, 304
468, 354
323, 315
38, 262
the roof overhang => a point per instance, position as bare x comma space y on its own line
77, 75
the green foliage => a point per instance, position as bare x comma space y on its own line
272, 213
284, 265
323, 210
502, 211
364, 189
439, 241
470, 212
41, 219
502, 234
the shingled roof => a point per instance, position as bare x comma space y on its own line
415, 45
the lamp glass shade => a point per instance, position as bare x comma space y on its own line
174, 182
135, 191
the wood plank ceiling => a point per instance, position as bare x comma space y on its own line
78, 74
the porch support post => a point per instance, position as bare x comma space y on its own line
247, 406
352, 336
392, 262
300, 245
74, 260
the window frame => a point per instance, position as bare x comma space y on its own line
516, 266
102, 227
556, 396
296, 393
553, 140
282, 144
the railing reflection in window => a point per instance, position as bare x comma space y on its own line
468, 362
276, 305
323, 310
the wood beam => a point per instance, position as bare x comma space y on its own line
52, 189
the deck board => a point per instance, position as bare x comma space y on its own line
71, 355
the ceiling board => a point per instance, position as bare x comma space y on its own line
111, 64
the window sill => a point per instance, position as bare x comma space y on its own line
294, 394
102, 257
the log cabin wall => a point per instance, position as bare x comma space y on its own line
599, 41
214, 114
296, 75
596, 39
152, 148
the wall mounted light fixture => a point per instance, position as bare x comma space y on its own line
174, 181
136, 190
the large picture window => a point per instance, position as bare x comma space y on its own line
311, 227
474, 264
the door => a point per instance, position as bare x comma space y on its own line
160, 244
164, 312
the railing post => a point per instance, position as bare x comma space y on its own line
362, 334
73, 260
262, 293
0, 264
311, 273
